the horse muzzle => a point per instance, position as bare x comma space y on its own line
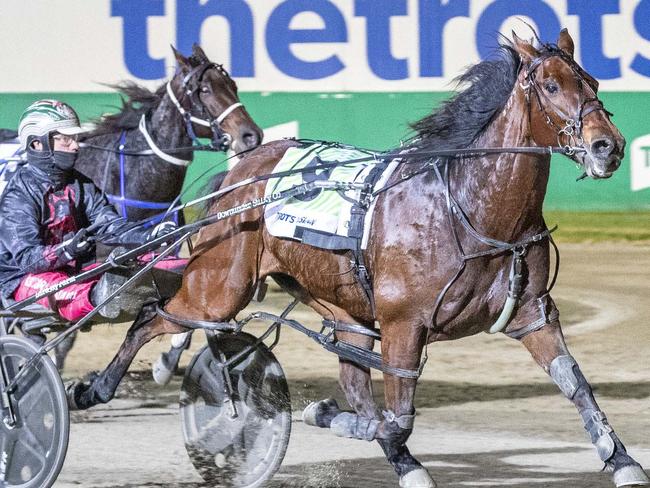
603, 156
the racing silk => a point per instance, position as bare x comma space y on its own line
38, 209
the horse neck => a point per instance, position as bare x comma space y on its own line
167, 128
503, 195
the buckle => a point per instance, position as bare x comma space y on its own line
542, 308
362, 270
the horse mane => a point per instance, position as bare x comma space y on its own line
458, 121
136, 100
211, 185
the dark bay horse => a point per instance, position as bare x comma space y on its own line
429, 239
201, 100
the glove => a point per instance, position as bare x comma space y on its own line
79, 245
162, 229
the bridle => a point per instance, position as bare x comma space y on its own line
221, 141
191, 90
572, 128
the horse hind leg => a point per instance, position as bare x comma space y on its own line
357, 386
354, 379
549, 350
62, 349
102, 387
217, 284
167, 363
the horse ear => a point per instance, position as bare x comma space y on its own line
565, 42
182, 60
198, 53
525, 49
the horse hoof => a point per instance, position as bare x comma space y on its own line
162, 375
320, 414
631, 475
418, 478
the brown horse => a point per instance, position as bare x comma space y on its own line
434, 274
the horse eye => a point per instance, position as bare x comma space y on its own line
551, 87
205, 89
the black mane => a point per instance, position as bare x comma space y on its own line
460, 120
136, 100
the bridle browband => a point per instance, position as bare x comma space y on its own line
572, 124
191, 88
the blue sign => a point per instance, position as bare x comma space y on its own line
432, 16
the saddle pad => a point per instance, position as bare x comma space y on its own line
322, 217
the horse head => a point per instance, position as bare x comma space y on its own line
564, 108
208, 100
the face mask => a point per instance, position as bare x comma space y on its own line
64, 160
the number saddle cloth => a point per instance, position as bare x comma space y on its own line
327, 218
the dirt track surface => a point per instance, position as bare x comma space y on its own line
487, 415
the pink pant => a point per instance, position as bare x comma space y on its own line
71, 303
170, 263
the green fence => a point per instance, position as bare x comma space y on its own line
380, 120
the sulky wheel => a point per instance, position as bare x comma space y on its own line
34, 441
245, 449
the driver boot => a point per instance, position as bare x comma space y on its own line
106, 286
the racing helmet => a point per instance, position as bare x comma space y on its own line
45, 116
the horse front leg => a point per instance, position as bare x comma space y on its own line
102, 387
549, 350
402, 345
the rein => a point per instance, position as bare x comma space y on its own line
148, 152
380, 158
182, 233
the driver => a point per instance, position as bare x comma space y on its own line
45, 210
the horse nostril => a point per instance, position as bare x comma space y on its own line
602, 147
251, 139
